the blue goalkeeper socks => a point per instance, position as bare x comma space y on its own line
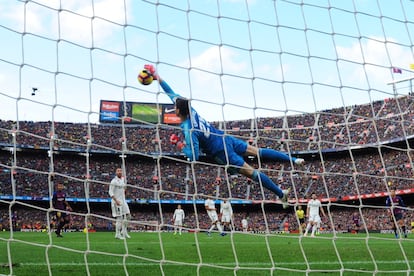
274, 155
267, 183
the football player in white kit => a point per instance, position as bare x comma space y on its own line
226, 213
312, 213
178, 219
119, 206
210, 206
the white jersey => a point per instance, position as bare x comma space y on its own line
314, 206
226, 211
117, 189
210, 204
244, 223
178, 216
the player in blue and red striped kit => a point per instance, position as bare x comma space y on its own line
224, 149
355, 222
61, 206
396, 213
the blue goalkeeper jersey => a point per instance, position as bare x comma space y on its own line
198, 133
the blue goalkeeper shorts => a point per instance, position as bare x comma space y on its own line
235, 149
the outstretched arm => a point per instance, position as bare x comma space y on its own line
185, 146
168, 90
164, 85
190, 139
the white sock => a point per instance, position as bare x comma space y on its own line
219, 227
124, 227
118, 225
308, 228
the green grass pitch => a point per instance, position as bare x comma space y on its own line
197, 254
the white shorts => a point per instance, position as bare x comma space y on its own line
118, 211
225, 218
213, 216
314, 218
178, 222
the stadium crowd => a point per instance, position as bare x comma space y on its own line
26, 173
378, 122
334, 178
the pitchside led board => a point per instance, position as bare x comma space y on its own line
137, 113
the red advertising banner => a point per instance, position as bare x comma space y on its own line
110, 106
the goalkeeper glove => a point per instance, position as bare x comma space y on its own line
175, 140
152, 70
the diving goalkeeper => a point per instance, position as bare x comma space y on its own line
224, 149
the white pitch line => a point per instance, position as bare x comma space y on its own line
219, 264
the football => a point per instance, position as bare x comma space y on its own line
145, 77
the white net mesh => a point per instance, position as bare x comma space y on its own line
329, 81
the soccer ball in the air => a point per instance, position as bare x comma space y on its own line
145, 77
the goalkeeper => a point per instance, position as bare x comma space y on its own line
224, 149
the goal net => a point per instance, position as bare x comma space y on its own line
327, 81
